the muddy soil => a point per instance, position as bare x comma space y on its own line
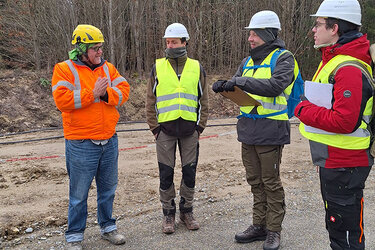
34, 191
34, 182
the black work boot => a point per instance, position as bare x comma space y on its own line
252, 233
272, 241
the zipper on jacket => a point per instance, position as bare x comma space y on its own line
179, 95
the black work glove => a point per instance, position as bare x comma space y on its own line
218, 86
229, 85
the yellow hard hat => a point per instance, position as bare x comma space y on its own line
85, 33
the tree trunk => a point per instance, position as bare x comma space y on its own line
111, 35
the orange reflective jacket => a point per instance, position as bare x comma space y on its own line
83, 116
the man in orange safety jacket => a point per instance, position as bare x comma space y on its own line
87, 89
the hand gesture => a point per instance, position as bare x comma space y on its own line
218, 86
229, 85
100, 87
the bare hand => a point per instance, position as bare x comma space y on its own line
100, 87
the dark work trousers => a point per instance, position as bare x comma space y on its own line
262, 164
166, 153
342, 192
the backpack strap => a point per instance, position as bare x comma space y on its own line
354, 64
364, 70
247, 61
274, 58
272, 64
246, 68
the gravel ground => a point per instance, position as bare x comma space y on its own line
223, 203
303, 226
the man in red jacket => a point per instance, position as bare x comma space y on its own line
339, 139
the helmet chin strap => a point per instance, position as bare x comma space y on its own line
84, 53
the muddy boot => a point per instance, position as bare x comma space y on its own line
272, 241
77, 245
168, 224
252, 233
189, 221
114, 237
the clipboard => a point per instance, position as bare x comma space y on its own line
240, 97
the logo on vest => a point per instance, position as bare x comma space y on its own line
347, 93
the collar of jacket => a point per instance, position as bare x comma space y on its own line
349, 36
178, 61
355, 46
259, 53
80, 63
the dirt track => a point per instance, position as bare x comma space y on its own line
34, 193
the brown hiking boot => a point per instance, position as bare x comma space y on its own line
252, 233
168, 224
189, 221
272, 241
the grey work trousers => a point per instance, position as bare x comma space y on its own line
262, 164
166, 154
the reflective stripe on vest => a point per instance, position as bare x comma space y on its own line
77, 85
359, 139
113, 83
76, 88
269, 105
177, 98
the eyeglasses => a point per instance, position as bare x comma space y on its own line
318, 24
97, 48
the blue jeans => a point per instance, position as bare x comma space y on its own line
84, 161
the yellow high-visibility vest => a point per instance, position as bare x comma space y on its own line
360, 138
269, 105
177, 98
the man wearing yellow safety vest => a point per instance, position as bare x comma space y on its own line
263, 130
339, 139
86, 90
177, 111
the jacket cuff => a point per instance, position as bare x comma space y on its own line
300, 106
105, 97
156, 130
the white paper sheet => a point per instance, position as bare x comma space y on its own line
321, 95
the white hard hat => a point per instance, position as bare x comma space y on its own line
348, 10
176, 30
264, 19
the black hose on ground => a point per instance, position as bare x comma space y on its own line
54, 128
118, 131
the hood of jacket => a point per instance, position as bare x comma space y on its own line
350, 45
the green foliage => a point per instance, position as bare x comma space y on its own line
44, 82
